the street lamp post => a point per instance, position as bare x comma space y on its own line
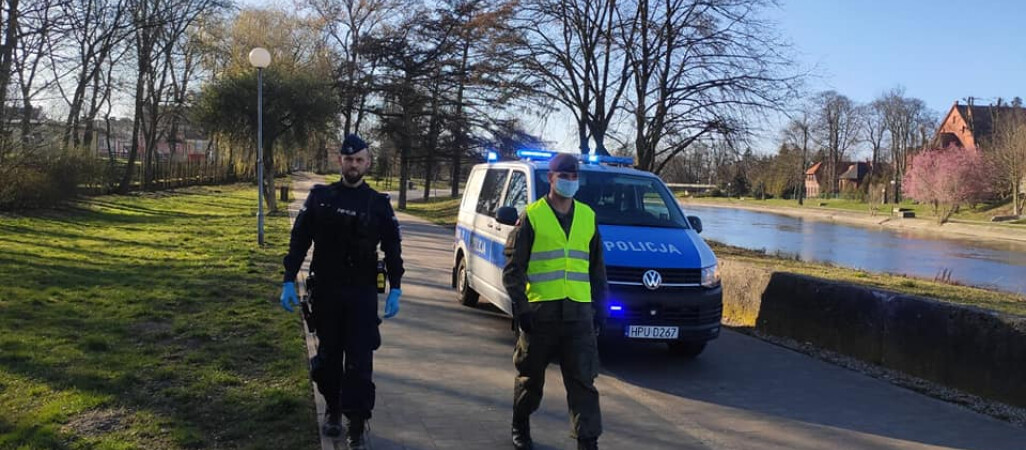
260, 58
895, 191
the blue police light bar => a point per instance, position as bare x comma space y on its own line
611, 160
615, 308
493, 156
535, 154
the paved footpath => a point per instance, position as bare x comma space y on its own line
444, 378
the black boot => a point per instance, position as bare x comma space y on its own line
522, 434
355, 434
587, 444
332, 422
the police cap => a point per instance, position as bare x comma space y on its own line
563, 162
352, 144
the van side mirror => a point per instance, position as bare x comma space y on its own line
507, 215
696, 223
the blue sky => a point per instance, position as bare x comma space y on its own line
939, 50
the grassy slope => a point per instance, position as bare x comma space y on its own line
149, 322
443, 212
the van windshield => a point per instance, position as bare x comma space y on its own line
620, 199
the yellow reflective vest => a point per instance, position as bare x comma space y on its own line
558, 267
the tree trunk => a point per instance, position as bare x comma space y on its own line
272, 202
6, 61
582, 134
133, 153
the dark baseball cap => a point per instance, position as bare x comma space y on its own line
352, 144
563, 162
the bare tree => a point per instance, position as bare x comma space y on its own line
875, 134
838, 124
570, 48
408, 54
10, 15
484, 73
95, 29
798, 135
35, 27
1007, 152
346, 23
698, 69
158, 25
909, 124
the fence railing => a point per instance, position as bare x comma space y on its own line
166, 175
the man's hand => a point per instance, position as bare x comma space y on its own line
288, 296
525, 320
392, 303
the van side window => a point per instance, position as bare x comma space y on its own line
516, 195
491, 191
473, 190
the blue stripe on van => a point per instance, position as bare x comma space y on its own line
482, 246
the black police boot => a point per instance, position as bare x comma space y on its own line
587, 444
332, 422
355, 434
522, 434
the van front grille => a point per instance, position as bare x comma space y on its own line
669, 276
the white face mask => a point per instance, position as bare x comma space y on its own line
566, 188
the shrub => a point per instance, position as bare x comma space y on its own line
31, 181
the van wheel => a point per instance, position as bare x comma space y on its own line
467, 295
686, 349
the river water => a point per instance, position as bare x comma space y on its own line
996, 265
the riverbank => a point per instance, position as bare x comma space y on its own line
980, 231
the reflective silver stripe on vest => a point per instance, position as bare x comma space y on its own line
546, 276
577, 276
578, 254
551, 254
558, 275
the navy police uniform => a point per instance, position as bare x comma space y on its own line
346, 224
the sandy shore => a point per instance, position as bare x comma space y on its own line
927, 227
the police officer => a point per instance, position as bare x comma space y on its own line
556, 278
346, 221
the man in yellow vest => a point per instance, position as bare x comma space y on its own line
556, 277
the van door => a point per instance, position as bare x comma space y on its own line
516, 197
468, 214
486, 243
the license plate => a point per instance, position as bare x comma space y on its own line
651, 332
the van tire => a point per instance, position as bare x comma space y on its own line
467, 295
686, 349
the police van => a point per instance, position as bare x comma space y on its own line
664, 282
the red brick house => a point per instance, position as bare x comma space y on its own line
970, 126
850, 176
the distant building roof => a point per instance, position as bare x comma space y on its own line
971, 125
856, 171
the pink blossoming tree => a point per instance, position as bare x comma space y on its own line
947, 179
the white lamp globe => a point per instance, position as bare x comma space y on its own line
259, 57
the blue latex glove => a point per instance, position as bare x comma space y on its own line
392, 303
288, 296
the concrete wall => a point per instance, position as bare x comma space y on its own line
977, 351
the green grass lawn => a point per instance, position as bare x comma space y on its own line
443, 212
150, 321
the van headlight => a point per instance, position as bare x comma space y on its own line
711, 276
